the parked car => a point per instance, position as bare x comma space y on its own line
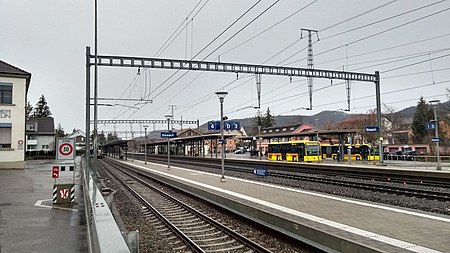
409, 155
240, 150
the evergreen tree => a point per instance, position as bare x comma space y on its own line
268, 120
111, 137
422, 116
28, 110
42, 110
59, 132
101, 138
258, 121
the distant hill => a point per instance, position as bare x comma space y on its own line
407, 112
326, 118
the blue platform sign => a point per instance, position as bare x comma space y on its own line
435, 139
213, 125
222, 142
371, 129
232, 125
260, 172
430, 125
168, 134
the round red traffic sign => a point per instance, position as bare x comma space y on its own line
20, 142
66, 149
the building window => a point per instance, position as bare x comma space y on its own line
44, 146
6, 93
31, 147
284, 129
292, 128
277, 130
5, 135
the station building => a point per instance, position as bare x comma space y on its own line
14, 84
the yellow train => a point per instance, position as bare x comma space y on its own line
359, 152
313, 151
298, 150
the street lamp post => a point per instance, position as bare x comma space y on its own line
435, 103
145, 144
221, 95
132, 146
168, 140
259, 139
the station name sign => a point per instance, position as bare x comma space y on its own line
168, 134
372, 129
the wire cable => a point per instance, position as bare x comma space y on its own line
377, 33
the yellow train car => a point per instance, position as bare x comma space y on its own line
359, 152
298, 150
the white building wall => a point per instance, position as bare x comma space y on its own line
15, 156
45, 140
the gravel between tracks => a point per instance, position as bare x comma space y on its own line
150, 241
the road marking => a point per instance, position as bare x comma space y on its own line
39, 204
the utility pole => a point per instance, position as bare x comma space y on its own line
310, 61
258, 89
435, 104
172, 107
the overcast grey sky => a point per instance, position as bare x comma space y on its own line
408, 41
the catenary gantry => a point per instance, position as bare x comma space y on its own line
176, 64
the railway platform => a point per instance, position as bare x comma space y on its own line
29, 222
332, 223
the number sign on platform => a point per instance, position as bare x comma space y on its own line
213, 125
232, 125
430, 125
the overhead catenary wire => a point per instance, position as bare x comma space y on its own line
170, 39
329, 27
167, 79
371, 96
376, 34
228, 40
269, 28
388, 48
384, 19
382, 77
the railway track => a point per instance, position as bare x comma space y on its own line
391, 185
186, 228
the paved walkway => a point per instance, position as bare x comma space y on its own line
28, 220
377, 226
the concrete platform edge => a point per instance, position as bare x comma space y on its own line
317, 238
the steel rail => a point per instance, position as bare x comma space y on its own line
289, 174
242, 239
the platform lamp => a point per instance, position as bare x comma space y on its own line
221, 95
317, 137
259, 139
168, 117
435, 104
145, 144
